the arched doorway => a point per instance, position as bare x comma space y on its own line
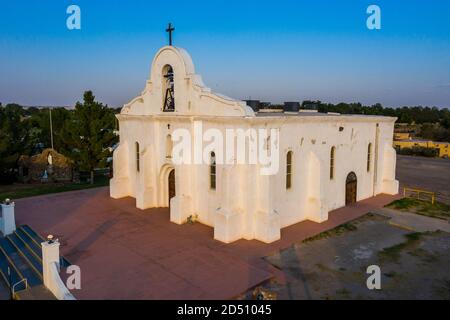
171, 184
350, 188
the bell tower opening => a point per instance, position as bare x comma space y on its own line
168, 89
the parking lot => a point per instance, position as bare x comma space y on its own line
426, 173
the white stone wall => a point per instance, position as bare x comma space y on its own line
51, 269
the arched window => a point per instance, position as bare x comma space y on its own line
267, 143
369, 156
137, 156
332, 159
168, 88
212, 172
289, 170
169, 146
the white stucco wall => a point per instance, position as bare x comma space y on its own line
50, 270
245, 203
7, 220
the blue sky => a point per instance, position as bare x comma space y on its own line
269, 50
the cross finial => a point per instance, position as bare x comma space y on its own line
170, 29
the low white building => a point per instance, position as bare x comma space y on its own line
326, 161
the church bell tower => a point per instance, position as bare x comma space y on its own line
169, 99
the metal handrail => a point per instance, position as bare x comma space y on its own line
418, 192
17, 283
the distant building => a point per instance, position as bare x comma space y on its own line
401, 135
442, 148
291, 106
254, 104
412, 129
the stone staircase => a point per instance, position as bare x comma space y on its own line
35, 293
21, 265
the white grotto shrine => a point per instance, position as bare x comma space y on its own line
326, 161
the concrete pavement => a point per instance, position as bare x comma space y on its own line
413, 221
127, 253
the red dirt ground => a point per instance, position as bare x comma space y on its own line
127, 253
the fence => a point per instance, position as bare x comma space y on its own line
419, 194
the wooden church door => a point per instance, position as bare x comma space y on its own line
171, 184
350, 188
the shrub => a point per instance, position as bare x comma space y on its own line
419, 151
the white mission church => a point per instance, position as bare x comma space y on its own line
326, 161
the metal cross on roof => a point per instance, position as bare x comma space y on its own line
170, 29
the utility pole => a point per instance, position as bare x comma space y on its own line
51, 127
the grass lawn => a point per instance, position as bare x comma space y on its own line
437, 210
393, 253
17, 191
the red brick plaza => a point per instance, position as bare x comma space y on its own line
127, 253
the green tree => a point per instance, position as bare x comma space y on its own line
40, 121
14, 140
91, 134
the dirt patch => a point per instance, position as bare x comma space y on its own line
333, 265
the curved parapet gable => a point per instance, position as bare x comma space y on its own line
190, 94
